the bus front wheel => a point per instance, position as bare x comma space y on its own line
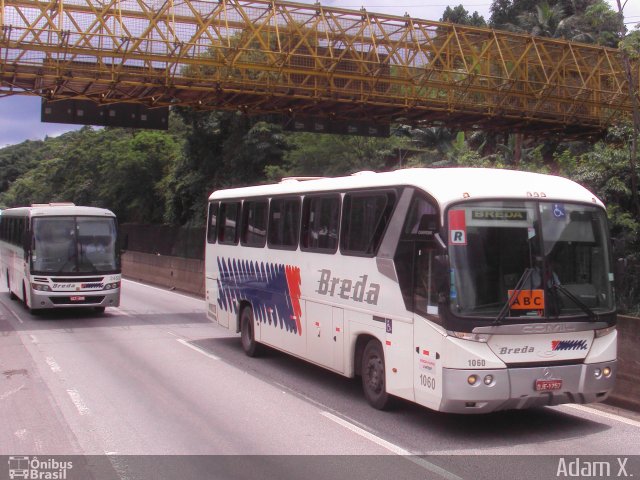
26, 299
247, 336
373, 376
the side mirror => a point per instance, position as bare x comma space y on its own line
428, 224
26, 243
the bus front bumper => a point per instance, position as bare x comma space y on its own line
101, 298
515, 388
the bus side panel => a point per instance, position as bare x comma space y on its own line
320, 333
275, 332
427, 365
16, 270
337, 333
214, 313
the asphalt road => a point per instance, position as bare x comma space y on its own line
141, 384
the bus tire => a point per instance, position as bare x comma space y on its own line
373, 376
99, 309
247, 333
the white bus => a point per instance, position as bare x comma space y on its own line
60, 255
463, 290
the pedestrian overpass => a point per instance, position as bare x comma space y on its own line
307, 61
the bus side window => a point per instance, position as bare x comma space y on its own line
228, 228
320, 223
364, 220
284, 223
254, 223
212, 218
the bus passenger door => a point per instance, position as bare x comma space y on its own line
428, 339
421, 277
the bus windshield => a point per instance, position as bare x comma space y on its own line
529, 259
64, 245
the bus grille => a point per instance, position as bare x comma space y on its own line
76, 280
68, 301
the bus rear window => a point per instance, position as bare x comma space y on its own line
212, 223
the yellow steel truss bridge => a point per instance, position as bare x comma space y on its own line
262, 56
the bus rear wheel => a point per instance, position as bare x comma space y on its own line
247, 335
373, 376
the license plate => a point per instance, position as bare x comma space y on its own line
546, 385
77, 299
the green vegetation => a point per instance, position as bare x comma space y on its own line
165, 177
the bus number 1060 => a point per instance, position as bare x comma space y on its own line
427, 381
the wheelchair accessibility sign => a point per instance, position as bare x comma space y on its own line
559, 211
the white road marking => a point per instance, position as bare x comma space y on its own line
197, 349
610, 416
78, 402
33, 338
392, 447
363, 433
53, 365
15, 315
165, 290
20, 433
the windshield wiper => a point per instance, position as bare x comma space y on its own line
516, 291
593, 316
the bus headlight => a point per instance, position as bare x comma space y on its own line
606, 371
474, 337
40, 288
605, 331
112, 286
472, 379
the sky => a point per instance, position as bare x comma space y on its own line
20, 115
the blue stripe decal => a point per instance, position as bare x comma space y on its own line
273, 290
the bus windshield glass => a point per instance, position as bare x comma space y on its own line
529, 259
64, 245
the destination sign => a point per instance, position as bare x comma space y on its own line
499, 214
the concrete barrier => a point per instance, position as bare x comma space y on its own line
183, 274
626, 393
188, 275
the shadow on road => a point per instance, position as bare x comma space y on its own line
408, 424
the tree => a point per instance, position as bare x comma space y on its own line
461, 15
630, 49
313, 154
